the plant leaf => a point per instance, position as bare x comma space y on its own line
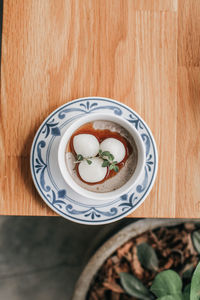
134, 287
106, 153
196, 240
80, 157
171, 297
114, 162
105, 163
89, 161
186, 292
187, 288
166, 283
147, 257
100, 151
111, 167
195, 284
115, 168
186, 297
188, 273
111, 157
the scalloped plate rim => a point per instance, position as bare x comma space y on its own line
113, 218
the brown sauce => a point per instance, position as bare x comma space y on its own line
101, 135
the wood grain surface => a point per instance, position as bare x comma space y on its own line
144, 53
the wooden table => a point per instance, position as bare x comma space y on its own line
144, 53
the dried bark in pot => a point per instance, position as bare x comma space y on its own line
173, 247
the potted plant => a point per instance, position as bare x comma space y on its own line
149, 259
167, 285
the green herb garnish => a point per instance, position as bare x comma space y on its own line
108, 160
89, 161
80, 158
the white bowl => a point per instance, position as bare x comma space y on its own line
62, 151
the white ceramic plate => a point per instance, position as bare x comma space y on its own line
48, 179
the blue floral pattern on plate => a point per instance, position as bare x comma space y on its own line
49, 182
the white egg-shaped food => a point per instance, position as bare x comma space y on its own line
93, 172
115, 147
86, 145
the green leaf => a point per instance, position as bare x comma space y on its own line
80, 157
187, 288
186, 297
105, 163
196, 240
134, 287
166, 283
111, 167
147, 257
195, 284
89, 161
186, 292
188, 273
100, 151
106, 153
171, 297
115, 162
110, 157
115, 168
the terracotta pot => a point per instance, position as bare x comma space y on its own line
127, 233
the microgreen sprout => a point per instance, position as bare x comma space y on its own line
106, 156
108, 160
80, 158
89, 161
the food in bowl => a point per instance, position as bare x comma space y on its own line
101, 156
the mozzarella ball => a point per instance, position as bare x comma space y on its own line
86, 145
93, 172
115, 147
